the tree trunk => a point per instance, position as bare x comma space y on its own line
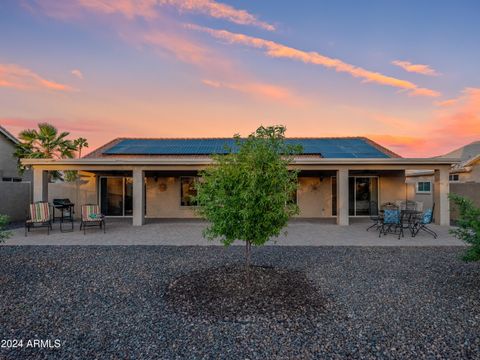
248, 251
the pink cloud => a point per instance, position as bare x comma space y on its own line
416, 68
20, 78
446, 129
258, 89
219, 11
148, 9
277, 50
77, 73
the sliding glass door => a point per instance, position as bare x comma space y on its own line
361, 191
366, 190
116, 196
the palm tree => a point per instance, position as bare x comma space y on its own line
80, 143
44, 143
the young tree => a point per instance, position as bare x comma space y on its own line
247, 194
468, 228
44, 143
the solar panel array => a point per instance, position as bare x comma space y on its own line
328, 148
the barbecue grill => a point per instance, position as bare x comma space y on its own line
66, 209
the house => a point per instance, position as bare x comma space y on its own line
15, 188
8, 162
464, 177
153, 178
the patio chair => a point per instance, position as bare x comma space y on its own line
91, 216
410, 205
391, 222
423, 221
39, 216
374, 215
389, 206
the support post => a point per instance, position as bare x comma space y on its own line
342, 196
138, 197
441, 189
40, 185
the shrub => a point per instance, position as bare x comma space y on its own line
468, 228
4, 234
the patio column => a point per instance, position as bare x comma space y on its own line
441, 190
138, 197
40, 185
342, 197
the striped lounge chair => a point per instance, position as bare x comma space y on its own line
91, 216
39, 217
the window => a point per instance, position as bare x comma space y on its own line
11, 179
424, 187
453, 177
187, 191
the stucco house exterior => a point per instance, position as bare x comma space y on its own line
15, 188
8, 163
153, 178
464, 176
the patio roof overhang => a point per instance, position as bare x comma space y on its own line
189, 163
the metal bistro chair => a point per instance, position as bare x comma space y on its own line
91, 216
422, 221
39, 216
410, 205
374, 215
391, 222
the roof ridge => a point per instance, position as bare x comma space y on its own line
231, 138
8, 135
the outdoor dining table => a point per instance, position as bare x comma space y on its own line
407, 218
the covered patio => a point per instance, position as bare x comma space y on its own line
155, 187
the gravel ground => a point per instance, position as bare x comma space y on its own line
116, 302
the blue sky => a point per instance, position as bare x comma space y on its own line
176, 68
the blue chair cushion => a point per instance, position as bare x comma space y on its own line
391, 217
427, 216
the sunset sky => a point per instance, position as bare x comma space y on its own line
404, 73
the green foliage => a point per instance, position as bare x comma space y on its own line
4, 234
70, 175
80, 143
468, 228
48, 143
247, 195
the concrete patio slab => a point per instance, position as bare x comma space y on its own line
189, 232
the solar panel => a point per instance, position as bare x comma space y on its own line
328, 148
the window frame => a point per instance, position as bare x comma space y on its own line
451, 178
419, 191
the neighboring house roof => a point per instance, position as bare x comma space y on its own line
8, 135
464, 153
347, 147
468, 155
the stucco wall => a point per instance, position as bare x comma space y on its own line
471, 176
426, 199
83, 191
392, 187
314, 197
166, 203
8, 163
468, 190
14, 199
